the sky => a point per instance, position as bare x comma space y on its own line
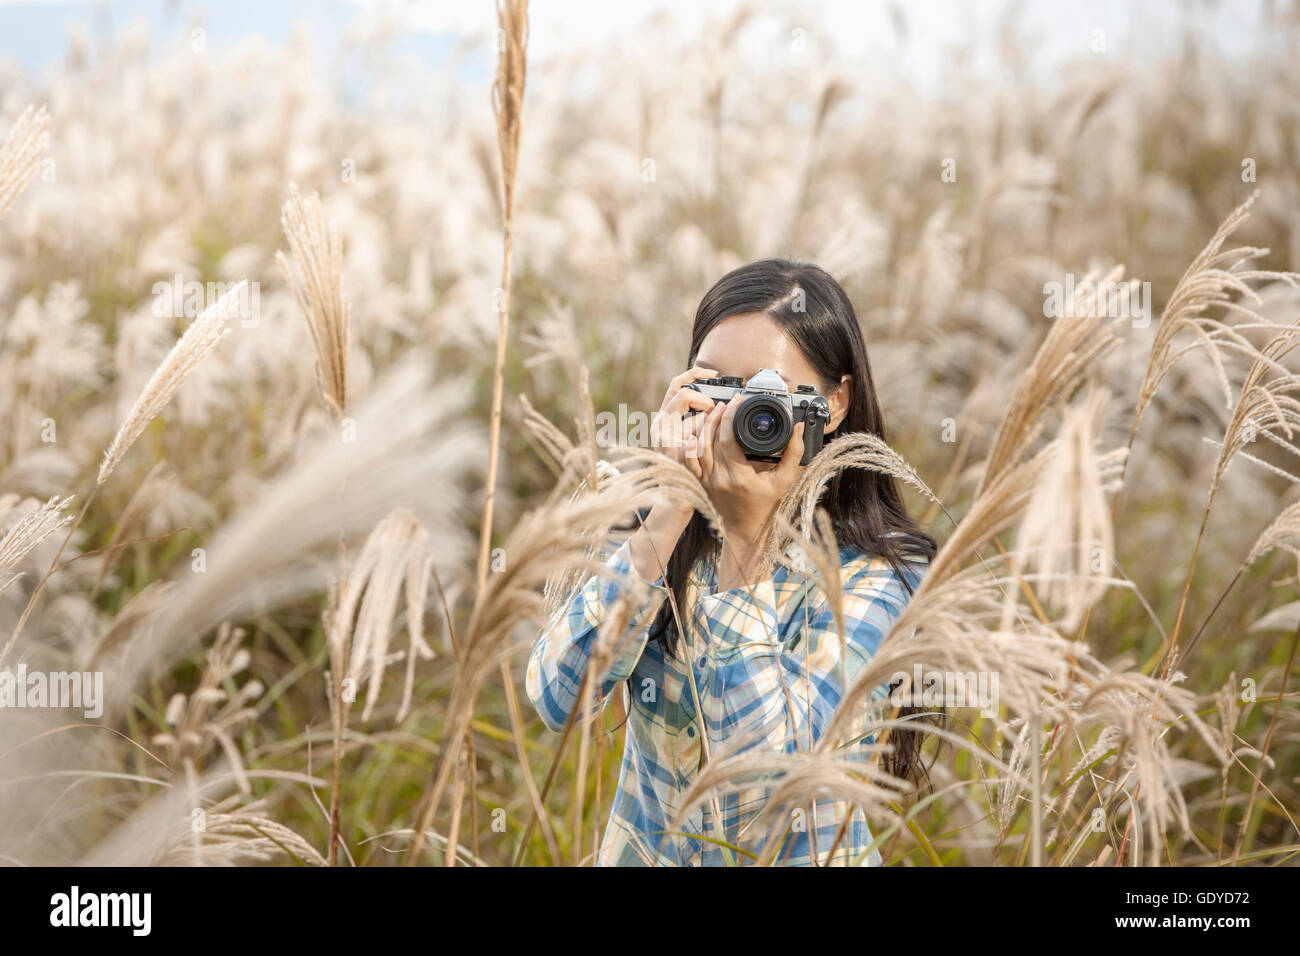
33, 32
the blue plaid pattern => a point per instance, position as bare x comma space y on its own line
732, 681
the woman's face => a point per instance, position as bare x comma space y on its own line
743, 344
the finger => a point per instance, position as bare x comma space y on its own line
793, 454
690, 375
666, 430
708, 438
694, 424
697, 371
691, 456
726, 440
686, 430
679, 383
687, 399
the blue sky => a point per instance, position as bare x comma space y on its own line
34, 32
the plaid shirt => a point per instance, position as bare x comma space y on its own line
745, 687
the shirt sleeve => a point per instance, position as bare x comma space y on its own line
561, 655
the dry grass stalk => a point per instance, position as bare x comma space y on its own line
317, 248
1058, 368
237, 834
1209, 283
1066, 534
200, 338
548, 541
1267, 403
157, 485
396, 557
508, 89
20, 156
210, 715
161, 829
141, 608
859, 450
23, 538
405, 451
508, 105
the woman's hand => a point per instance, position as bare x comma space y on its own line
672, 431
744, 492
677, 436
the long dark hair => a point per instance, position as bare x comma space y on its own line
865, 507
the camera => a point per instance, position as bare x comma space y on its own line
768, 413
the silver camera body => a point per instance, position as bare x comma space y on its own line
764, 423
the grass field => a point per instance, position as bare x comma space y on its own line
248, 368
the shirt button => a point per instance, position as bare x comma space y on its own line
690, 731
703, 661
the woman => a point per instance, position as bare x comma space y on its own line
760, 665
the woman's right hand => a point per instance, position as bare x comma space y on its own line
676, 435
674, 432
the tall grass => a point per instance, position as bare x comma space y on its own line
427, 381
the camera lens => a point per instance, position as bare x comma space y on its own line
762, 423
763, 427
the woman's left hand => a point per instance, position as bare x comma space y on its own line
744, 492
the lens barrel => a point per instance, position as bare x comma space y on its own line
763, 426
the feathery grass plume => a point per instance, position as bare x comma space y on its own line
23, 538
508, 106
557, 339
1283, 533
20, 156
1066, 530
317, 248
1268, 402
668, 480
995, 508
556, 446
588, 706
1209, 283
1071, 139
405, 453
930, 276
210, 715
787, 782
854, 450
1143, 711
1041, 676
237, 834
162, 827
1071, 346
197, 341
1056, 806
1248, 816
508, 89
396, 557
